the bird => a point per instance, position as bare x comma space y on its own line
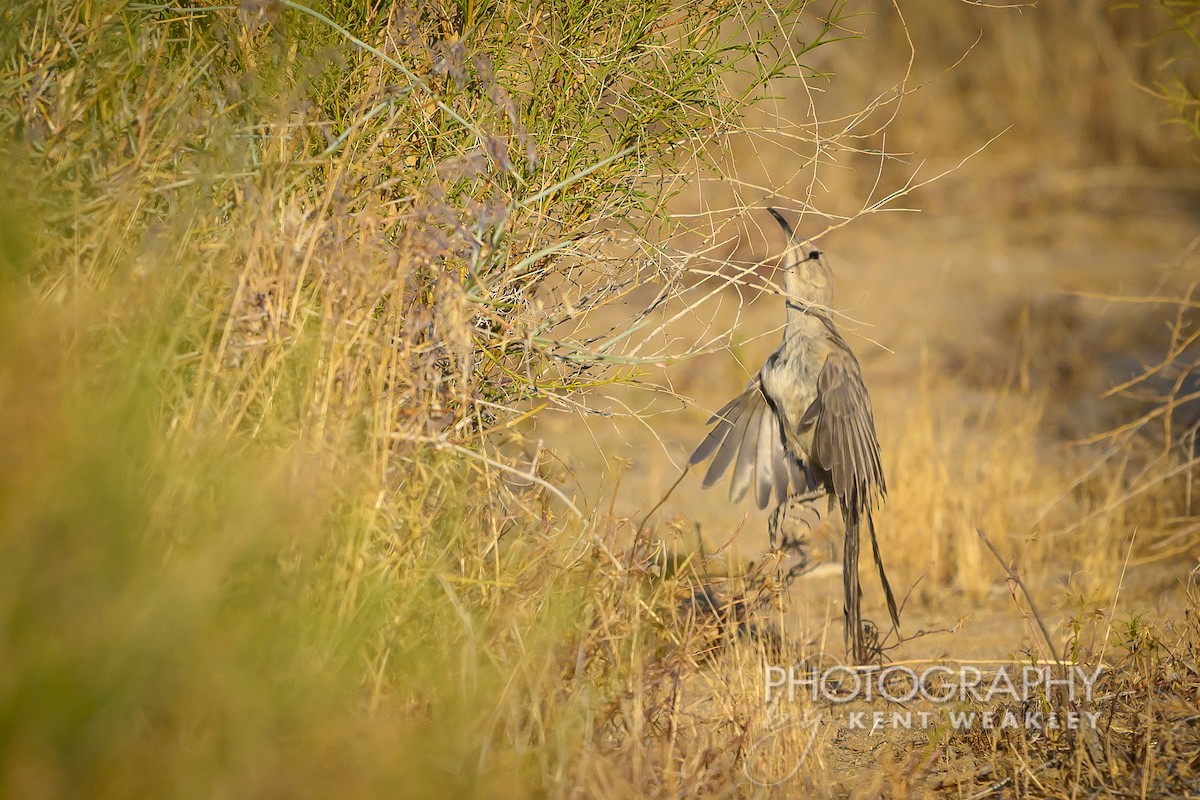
803, 428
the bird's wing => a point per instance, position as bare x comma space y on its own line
844, 443
845, 447
747, 434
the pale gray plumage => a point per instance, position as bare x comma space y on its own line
749, 428
804, 424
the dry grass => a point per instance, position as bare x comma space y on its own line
288, 298
1147, 702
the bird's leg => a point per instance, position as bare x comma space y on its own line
775, 522
787, 543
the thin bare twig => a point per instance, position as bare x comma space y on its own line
1015, 578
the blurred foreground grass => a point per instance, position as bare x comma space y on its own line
206, 614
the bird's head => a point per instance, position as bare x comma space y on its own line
806, 275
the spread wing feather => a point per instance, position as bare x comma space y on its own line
729, 431
716, 435
743, 468
747, 435
768, 446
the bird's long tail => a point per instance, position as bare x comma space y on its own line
852, 597
887, 587
855, 641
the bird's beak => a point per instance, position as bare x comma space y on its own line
783, 223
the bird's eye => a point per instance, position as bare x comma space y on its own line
814, 255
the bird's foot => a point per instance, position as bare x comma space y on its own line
776, 525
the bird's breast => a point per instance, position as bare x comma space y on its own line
789, 379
